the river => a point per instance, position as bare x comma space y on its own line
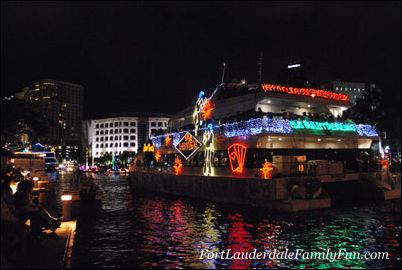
135, 229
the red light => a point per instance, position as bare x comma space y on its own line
237, 156
207, 109
304, 92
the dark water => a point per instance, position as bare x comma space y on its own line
156, 231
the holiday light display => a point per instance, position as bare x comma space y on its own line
148, 147
304, 92
188, 145
257, 126
366, 130
178, 166
237, 157
297, 124
168, 140
266, 170
158, 156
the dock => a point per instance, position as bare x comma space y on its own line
56, 253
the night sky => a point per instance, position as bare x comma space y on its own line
155, 57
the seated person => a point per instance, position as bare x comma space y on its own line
26, 209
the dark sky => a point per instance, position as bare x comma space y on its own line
136, 56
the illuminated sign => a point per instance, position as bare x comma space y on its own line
266, 170
237, 156
178, 166
304, 92
148, 148
188, 145
296, 124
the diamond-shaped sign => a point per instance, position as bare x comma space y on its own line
188, 145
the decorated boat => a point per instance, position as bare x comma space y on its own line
259, 144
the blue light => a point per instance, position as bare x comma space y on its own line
366, 130
201, 94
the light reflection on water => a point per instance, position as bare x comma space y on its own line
157, 231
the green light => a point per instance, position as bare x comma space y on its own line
295, 124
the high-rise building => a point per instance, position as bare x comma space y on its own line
61, 103
119, 133
355, 90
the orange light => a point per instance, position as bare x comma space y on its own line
178, 166
66, 197
158, 156
12, 160
300, 167
266, 170
207, 109
168, 141
237, 156
304, 92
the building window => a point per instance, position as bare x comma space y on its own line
101, 133
132, 144
106, 131
115, 124
111, 131
97, 139
106, 138
97, 132
111, 138
115, 145
160, 124
125, 130
125, 144
132, 124
154, 131
97, 126
106, 145
119, 137
165, 124
119, 124
97, 146
119, 144
101, 145
132, 137
101, 125
96, 153
115, 138
107, 125
101, 138
116, 131
153, 124
125, 124
125, 138
132, 130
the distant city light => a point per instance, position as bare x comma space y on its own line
294, 66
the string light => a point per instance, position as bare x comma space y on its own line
304, 92
178, 166
366, 130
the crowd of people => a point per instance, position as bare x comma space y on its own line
17, 238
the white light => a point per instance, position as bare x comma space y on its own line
319, 140
280, 139
308, 105
35, 178
269, 101
243, 81
294, 66
66, 197
339, 140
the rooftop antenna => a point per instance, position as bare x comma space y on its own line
260, 68
223, 73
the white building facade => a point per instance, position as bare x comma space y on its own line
122, 133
